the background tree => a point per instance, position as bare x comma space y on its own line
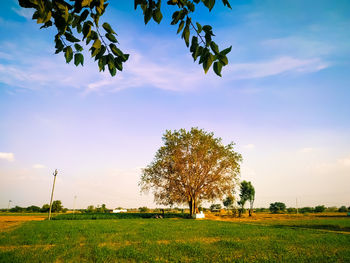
228, 202
45, 208
191, 167
277, 207
215, 207
78, 26
57, 206
143, 209
320, 208
342, 209
247, 193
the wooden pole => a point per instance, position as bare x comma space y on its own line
75, 198
53, 188
8, 207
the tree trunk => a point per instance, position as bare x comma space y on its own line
250, 212
190, 204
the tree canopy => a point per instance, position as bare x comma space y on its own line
247, 194
191, 167
78, 27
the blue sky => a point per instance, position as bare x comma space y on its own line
283, 99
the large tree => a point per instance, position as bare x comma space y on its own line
78, 26
191, 167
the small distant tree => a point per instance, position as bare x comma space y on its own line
90, 209
277, 207
306, 209
215, 207
291, 210
332, 209
17, 209
45, 208
342, 209
247, 194
56, 206
143, 209
320, 209
33, 208
228, 202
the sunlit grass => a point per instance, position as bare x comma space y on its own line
177, 240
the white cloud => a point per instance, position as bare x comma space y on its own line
344, 161
38, 166
307, 150
10, 157
249, 146
32, 72
24, 12
275, 67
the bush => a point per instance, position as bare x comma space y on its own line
306, 210
143, 209
215, 207
291, 210
277, 207
342, 209
320, 209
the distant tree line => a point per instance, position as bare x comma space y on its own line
56, 208
279, 207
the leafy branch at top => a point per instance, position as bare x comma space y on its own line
77, 24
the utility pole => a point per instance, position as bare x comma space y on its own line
8, 206
75, 198
296, 202
53, 188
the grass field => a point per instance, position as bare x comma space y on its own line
178, 240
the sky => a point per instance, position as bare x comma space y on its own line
283, 100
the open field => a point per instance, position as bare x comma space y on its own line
178, 240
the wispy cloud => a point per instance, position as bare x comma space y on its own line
307, 150
10, 157
275, 67
32, 72
249, 146
38, 166
344, 161
24, 12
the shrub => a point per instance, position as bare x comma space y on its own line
277, 207
320, 208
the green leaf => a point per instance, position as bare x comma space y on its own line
186, 35
78, 47
83, 15
97, 44
214, 47
147, 15
68, 54
207, 63
199, 27
226, 51
116, 51
71, 38
181, 25
102, 63
86, 3
86, 29
111, 66
111, 38
108, 28
157, 15
78, 59
217, 68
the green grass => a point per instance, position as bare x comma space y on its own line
174, 240
94, 216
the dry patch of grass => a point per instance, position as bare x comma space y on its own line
9, 222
